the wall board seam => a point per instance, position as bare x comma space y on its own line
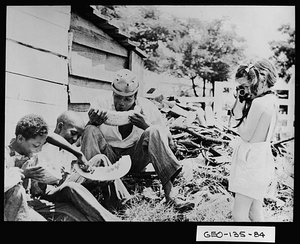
25, 12
33, 77
33, 101
90, 79
37, 48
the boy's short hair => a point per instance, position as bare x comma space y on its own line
31, 126
71, 118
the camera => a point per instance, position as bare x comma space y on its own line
242, 94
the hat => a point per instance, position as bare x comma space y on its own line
125, 83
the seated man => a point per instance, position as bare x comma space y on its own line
31, 134
70, 126
146, 138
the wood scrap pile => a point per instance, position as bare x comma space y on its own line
204, 147
196, 132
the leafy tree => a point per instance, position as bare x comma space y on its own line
284, 52
188, 48
208, 52
148, 28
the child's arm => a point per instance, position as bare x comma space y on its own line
249, 125
61, 142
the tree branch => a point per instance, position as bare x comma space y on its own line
204, 138
276, 144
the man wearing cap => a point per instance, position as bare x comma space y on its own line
146, 138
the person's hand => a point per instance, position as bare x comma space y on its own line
238, 107
139, 120
240, 103
97, 117
86, 168
82, 160
35, 172
84, 163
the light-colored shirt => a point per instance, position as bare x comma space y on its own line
51, 157
112, 134
13, 160
56, 158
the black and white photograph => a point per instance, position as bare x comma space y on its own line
150, 113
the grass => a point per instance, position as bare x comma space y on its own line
206, 184
149, 206
207, 187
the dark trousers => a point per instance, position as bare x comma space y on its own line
152, 147
82, 200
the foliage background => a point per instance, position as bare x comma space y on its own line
192, 47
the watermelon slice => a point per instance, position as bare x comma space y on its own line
113, 172
118, 118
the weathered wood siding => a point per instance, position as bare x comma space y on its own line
59, 58
94, 59
136, 64
36, 63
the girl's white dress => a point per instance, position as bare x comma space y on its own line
252, 167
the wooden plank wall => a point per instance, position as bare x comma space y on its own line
36, 63
136, 64
94, 59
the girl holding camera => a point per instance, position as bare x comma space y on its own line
252, 167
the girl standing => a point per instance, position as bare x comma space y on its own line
252, 168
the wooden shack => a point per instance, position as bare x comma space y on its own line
60, 58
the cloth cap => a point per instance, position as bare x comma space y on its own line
125, 83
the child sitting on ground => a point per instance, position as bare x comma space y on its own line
21, 166
70, 127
